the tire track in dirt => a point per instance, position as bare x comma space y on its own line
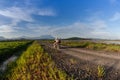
99, 58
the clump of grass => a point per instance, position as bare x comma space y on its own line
34, 64
101, 71
72, 61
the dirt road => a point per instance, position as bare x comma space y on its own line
83, 63
111, 60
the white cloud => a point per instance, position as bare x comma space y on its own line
98, 24
92, 30
6, 29
115, 17
17, 14
37, 30
47, 12
25, 14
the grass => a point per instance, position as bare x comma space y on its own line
92, 45
34, 64
7, 49
101, 71
72, 61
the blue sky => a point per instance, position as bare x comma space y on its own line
60, 18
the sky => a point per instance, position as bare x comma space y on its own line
60, 18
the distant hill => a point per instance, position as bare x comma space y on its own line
41, 37
46, 37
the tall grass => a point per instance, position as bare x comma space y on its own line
34, 64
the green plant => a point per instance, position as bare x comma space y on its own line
101, 71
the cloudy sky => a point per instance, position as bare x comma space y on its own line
60, 18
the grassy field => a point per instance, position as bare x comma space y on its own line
7, 49
92, 45
34, 64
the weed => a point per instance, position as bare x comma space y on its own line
72, 61
101, 71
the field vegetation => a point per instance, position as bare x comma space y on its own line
7, 49
92, 45
34, 64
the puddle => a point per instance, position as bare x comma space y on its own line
5, 63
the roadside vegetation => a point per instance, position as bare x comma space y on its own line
92, 45
34, 64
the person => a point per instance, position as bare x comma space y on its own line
56, 44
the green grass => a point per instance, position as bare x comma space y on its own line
34, 64
92, 45
7, 49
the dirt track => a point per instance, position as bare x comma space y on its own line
111, 60
83, 63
